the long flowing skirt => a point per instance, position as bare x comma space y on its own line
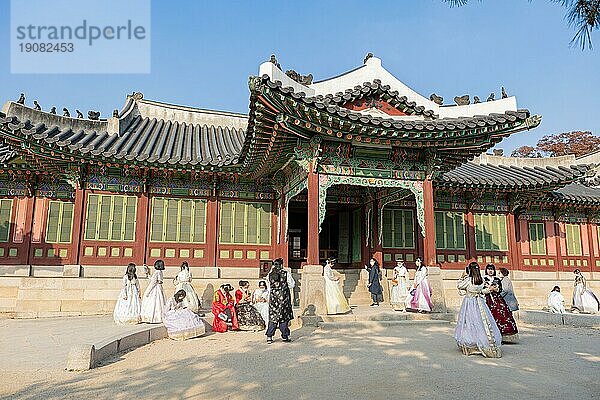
476, 331
398, 295
263, 309
127, 311
503, 317
249, 319
585, 300
183, 324
334, 298
190, 301
153, 305
421, 298
556, 304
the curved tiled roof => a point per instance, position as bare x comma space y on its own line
414, 128
576, 193
145, 132
375, 88
511, 177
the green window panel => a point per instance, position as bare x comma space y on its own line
176, 220
537, 238
490, 232
245, 223
398, 229
59, 224
6, 206
110, 218
450, 230
573, 238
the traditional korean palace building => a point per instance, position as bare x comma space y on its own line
352, 166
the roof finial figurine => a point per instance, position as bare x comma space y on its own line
476, 100
79, 114
94, 115
66, 112
36, 105
21, 99
369, 55
504, 95
53, 110
491, 97
273, 60
436, 99
115, 113
462, 100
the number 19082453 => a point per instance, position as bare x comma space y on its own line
34, 47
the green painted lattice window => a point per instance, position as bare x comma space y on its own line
573, 237
110, 218
60, 222
178, 220
398, 229
537, 239
245, 223
490, 232
450, 230
6, 206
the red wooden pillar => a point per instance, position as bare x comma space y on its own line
377, 252
78, 222
470, 224
212, 231
513, 248
559, 247
429, 252
312, 251
282, 246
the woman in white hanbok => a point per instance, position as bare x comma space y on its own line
584, 300
153, 302
419, 297
400, 284
181, 322
183, 281
556, 301
260, 301
476, 331
334, 295
127, 309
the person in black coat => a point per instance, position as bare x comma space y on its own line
280, 303
374, 284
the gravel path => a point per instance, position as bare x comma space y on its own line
399, 362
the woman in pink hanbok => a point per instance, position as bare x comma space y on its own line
419, 297
476, 330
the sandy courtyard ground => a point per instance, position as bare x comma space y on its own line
399, 362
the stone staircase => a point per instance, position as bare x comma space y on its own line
365, 317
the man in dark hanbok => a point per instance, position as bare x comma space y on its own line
280, 303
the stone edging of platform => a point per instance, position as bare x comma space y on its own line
83, 357
569, 319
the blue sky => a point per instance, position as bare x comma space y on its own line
203, 53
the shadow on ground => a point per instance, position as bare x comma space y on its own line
393, 362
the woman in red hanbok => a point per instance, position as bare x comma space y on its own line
223, 308
497, 305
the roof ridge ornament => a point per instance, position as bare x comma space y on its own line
273, 60
436, 99
301, 79
462, 100
369, 55
137, 96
